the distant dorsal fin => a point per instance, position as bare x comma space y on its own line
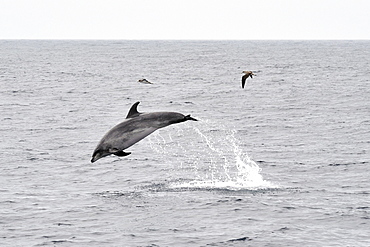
133, 111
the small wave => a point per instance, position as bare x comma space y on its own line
348, 164
240, 239
119, 194
221, 185
232, 241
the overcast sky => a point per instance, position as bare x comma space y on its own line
185, 19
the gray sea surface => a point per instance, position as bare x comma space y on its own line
282, 162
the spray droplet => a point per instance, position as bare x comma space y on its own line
209, 156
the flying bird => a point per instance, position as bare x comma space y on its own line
245, 76
145, 81
133, 129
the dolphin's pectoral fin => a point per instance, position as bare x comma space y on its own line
121, 153
133, 111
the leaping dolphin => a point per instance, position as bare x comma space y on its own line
136, 126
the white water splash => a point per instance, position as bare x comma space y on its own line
211, 157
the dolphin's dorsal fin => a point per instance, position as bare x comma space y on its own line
133, 111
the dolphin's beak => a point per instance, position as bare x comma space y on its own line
95, 157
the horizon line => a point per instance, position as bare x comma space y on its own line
118, 39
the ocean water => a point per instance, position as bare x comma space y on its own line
282, 162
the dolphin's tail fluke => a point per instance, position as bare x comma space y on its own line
186, 118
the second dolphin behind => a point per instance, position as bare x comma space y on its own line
136, 126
